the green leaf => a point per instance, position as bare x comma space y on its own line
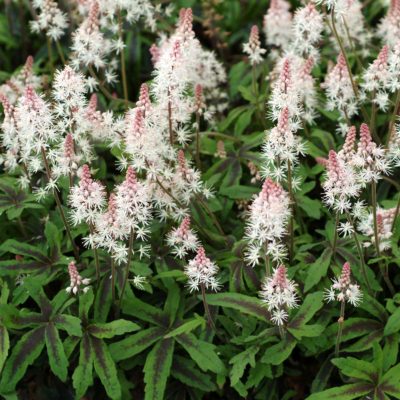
393, 323
187, 372
111, 329
68, 323
186, 327
358, 369
318, 269
82, 377
240, 361
312, 207
245, 304
103, 300
55, 351
390, 351
4, 345
24, 249
157, 369
203, 353
239, 192
135, 344
346, 392
279, 352
312, 303
373, 307
24, 353
390, 382
53, 235
105, 368
145, 312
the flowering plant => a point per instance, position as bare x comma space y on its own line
201, 202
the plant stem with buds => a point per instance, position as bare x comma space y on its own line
292, 200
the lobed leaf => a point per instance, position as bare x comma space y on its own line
157, 369
55, 351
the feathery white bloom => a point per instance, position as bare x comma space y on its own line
384, 219
50, 19
370, 160
343, 290
267, 223
341, 183
182, 239
339, 90
389, 26
279, 294
86, 199
253, 47
277, 22
201, 271
307, 29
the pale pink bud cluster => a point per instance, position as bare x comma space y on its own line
144, 101
182, 239
185, 27
348, 150
87, 198
253, 47
339, 90
199, 99
201, 272
343, 290
76, 281
267, 223
277, 22
279, 295
50, 19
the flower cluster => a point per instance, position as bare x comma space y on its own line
385, 219
276, 22
182, 239
76, 281
267, 223
50, 19
201, 272
343, 290
339, 90
253, 47
279, 294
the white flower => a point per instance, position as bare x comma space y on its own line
343, 290
279, 295
201, 271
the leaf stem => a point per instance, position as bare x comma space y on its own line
292, 200
96, 255
359, 250
206, 308
128, 264
60, 51
122, 56
340, 328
